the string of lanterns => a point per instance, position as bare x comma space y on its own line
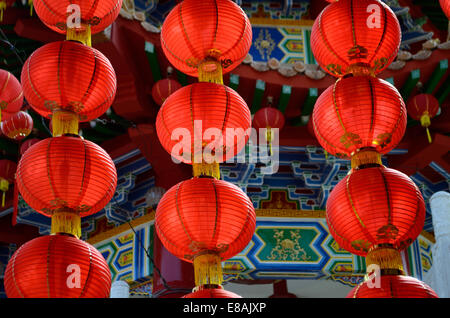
205, 220
66, 177
374, 211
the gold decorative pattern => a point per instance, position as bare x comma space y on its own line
288, 248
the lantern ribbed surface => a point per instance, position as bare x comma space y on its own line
197, 30
98, 14
420, 104
359, 112
215, 108
212, 293
17, 126
349, 34
11, 95
47, 267
66, 174
445, 5
163, 89
268, 117
393, 286
205, 215
70, 76
374, 206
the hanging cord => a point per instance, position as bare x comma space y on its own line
158, 271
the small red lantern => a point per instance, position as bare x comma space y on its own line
7, 175
206, 38
393, 286
360, 112
57, 266
445, 5
375, 210
18, 126
68, 82
26, 144
212, 124
355, 37
66, 178
163, 89
205, 221
61, 16
211, 293
11, 95
423, 107
269, 118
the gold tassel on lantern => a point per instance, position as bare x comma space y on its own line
30, 3
206, 169
67, 222
4, 186
210, 70
82, 34
208, 269
425, 121
366, 157
2, 8
387, 258
64, 122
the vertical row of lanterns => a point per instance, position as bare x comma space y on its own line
375, 211
66, 177
205, 220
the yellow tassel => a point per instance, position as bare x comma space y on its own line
425, 121
364, 157
360, 69
206, 169
4, 186
386, 257
82, 34
30, 3
210, 71
430, 140
269, 138
208, 269
66, 222
64, 122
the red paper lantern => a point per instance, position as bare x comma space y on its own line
355, 36
163, 89
59, 15
66, 176
7, 175
268, 117
198, 109
57, 266
375, 207
26, 144
18, 126
212, 293
205, 221
445, 5
206, 38
70, 82
393, 286
423, 107
359, 112
11, 95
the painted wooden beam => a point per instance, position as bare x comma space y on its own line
285, 96
310, 101
436, 77
153, 61
260, 87
234, 81
443, 91
410, 83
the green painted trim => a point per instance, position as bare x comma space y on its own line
153, 61
182, 78
234, 81
390, 80
310, 101
444, 91
258, 95
285, 96
437, 75
309, 56
410, 83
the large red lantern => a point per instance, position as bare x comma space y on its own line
18, 126
204, 122
393, 286
205, 221
69, 82
423, 107
66, 178
445, 5
360, 112
355, 37
7, 175
375, 212
206, 38
62, 15
163, 89
57, 266
11, 95
212, 293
